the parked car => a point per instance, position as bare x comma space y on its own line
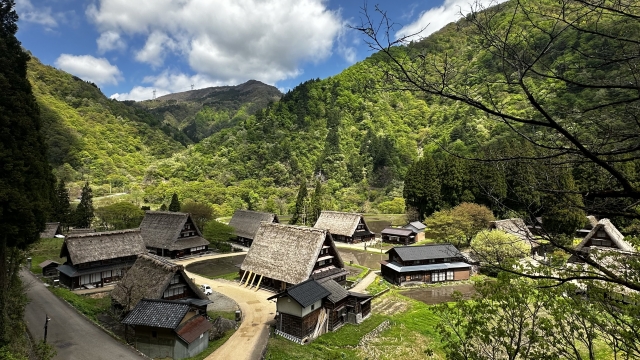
206, 289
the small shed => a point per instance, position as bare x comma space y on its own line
398, 236
168, 329
51, 229
49, 268
418, 228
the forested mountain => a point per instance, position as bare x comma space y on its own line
202, 112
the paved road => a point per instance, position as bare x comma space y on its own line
73, 336
258, 312
366, 281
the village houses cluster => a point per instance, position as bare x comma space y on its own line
300, 265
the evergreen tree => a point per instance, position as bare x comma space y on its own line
300, 209
163, 207
26, 181
174, 206
84, 212
316, 203
62, 207
422, 186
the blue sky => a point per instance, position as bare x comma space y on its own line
131, 47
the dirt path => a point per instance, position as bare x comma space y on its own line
257, 312
362, 285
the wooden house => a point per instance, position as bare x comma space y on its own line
246, 224
168, 329
172, 234
312, 308
155, 277
286, 255
49, 268
51, 229
603, 235
345, 227
417, 228
425, 264
96, 259
398, 236
517, 227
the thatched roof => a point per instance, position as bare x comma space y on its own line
76, 231
246, 222
84, 248
149, 278
515, 227
611, 232
161, 229
51, 229
592, 222
285, 252
339, 223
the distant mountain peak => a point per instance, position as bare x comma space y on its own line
224, 91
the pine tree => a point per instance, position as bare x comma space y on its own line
84, 212
316, 203
26, 181
422, 186
300, 209
163, 207
62, 208
174, 206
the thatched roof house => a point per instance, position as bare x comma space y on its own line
154, 277
172, 234
348, 227
246, 223
76, 231
98, 258
514, 226
287, 255
51, 229
603, 235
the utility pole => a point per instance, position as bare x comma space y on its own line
191, 86
154, 94
46, 324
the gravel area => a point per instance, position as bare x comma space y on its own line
222, 303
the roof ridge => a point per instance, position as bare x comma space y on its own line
165, 212
102, 233
340, 212
161, 261
288, 226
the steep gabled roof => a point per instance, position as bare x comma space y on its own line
161, 229
515, 227
149, 278
190, 330
337, 292
89, 247
417, 224
246, 222
612, 233
285, 252
426, 252
51, 229
339, 223
157, 313
305, 293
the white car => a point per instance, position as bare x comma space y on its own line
206, 289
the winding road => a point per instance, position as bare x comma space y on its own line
73, 336
251, 338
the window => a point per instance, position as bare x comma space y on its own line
438, 276
449, 274
154, 334
175, 280
178, 290
313, 306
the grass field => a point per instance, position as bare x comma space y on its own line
45, 249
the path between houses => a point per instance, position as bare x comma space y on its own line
257, 312
73, 336
366, 281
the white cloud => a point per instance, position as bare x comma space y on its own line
89, 68
436, 18
227, 40
166, 83
110, 40
40, 15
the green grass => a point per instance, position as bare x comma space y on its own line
88, 306
377, 286
231, 315
213, 346
45, 249
231, 276
364, 271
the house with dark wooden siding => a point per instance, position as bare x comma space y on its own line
418, 228
166, 329
99, 258
155, 277
398, 236
49, 268
604, 235
246, 224
345, 227
425, 264
172, 234
285, 255
312, 308
51, 229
